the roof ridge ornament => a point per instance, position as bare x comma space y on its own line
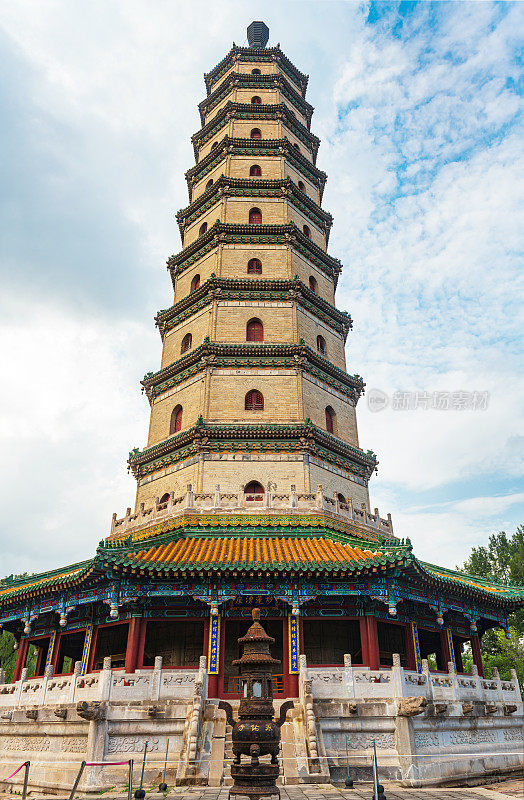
258, 35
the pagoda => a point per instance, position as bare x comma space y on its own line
252, 491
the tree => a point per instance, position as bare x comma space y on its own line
7, 654
502, 561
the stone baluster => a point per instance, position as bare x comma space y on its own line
455, 689
424, 665
320, 497
350, 681
515, 681
350, 508
241, 498
156, 679
397, 677
496, 678
216, 501
23, 678
48, 674
336, 503
269, 495
190, 498
293, 497
106, 677
377, 519
390, 523
479, 689
77, 670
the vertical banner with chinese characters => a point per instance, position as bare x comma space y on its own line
87, 647
214, 645
416, 647
50, 649
292, 622
450, 646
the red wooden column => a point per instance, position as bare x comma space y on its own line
20, 659
133, 641
410, 648
477, 654
369, 638
444, 647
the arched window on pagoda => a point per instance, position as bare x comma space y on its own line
255, 216
321, 345
255, 71
254, 401
307, 232
256, 133
313, 284
176, 420
255, 171
202, 229
254, 266
186, 343
164, 500
253, 492
254, 331
209, 184
341, 499
195, 283
331, 419
215, 144
256, 101
301, 186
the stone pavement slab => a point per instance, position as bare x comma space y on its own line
362, 791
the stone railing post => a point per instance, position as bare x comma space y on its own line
336, 503
74, 678
455, 691
216, 501
429, 682
106, 677
23, 678
350, 681
320, 497
479, 689
397, 677
190, 498
48, 674
156, 679
515, 680
269, 495
496, 678
350, 508
293, 497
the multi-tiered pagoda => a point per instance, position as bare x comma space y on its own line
252, 488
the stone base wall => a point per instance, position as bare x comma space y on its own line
429, 728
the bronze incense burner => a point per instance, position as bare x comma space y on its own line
256, 733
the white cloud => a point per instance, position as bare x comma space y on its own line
422, 151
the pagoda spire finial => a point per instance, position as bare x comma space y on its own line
257, 34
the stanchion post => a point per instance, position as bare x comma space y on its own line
378, 789
77, 781
26, 778
130, 787
349, 782
140, 793
163, 785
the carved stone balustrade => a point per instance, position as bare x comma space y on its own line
237, 502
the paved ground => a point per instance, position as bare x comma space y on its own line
507, 790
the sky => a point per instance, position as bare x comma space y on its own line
418, 109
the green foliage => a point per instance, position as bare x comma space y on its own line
502, 560
7, 654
